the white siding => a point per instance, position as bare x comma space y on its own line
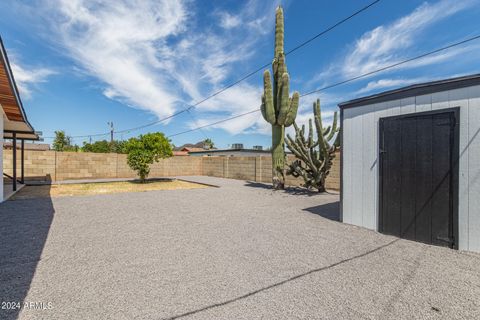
473, 146
360, 158
347, 161
423, 103
356, 130
407, 105
369, 159
459, 98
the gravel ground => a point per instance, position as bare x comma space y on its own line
240, 251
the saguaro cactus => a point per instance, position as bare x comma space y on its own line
277, 107
316, 155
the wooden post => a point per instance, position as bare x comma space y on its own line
22, 163
14, 153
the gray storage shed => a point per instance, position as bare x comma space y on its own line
410, 162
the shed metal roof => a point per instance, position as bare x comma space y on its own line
414, 90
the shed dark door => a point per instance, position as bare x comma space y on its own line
416, 177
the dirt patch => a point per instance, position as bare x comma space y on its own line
79, 189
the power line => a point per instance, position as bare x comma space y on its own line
236, 82
342, 82
250, 74
391, 66
214, 123
127, 130
332, 27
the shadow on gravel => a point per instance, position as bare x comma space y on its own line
24, 226
288, 189
224, 303
328, 210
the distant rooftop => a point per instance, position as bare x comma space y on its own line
28, 146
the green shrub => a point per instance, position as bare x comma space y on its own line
145, 150
103, 146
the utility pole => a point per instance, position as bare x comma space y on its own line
111, 131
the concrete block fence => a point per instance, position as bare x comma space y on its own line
57, 166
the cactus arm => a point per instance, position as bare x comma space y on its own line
326, 131
262, 108
284, 100
336, 143
318, 124
310, 133
295, 126
268, 110
334, 128
292, 147
292, 113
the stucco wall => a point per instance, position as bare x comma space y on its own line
56, 166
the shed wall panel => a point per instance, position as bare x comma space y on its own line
347, 167
459, 98
474, 169
369, 158
407, 105
357, 165
423, 103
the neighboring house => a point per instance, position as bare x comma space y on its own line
28, 146
198, 145
411, 162
15, 125
232, 153
179, 153
191, 149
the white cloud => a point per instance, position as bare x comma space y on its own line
237, 100
385, 45
389, 83
229, 21
157, 55
120, 42
27, 77
393, 43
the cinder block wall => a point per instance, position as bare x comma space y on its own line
213, 166
83, 165
39, 165
51, 165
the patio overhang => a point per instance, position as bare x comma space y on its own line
15, 122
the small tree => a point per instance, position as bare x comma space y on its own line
62, 142
208, 144
119, 146
104, 146
146, 149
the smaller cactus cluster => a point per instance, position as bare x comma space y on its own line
315, 158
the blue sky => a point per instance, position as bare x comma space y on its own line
82, 63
